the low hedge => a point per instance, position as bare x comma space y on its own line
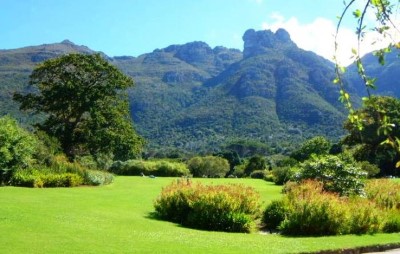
231, 208
38, 179
44, 178
156, 168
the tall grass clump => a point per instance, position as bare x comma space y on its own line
231, 208
308, 209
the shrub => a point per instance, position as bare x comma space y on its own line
238, 171
337, 174
392, 224
275, 214
371, 169
209, 166
45, 178
231, 208
318, 145
156, 168
309, 210
364, 217
313, 212
256, 162
259, 174
17, 147
97, 177
385, 193
282, 174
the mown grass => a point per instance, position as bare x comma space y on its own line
117, 219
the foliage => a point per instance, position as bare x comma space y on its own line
61, 165
256, 162
338, 174
17, 145
274, 214
392, 224
87, 108
282, 175
232, 157
373, 135
97, 177
45, 178
383, 192
17, 148
371, 169
309, 210
155, 168
384, 26
317, 145
231, 208
259, 174
209, 166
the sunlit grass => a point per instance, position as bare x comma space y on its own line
117, 219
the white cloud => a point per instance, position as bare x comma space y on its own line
318, 36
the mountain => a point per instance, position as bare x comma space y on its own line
388, 75
195, 98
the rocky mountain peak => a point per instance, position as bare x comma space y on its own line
261, 42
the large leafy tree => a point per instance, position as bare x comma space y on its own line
373, 136
85, 100
385, 27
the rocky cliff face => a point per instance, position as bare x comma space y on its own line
262, 42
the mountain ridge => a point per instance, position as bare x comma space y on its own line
194, 98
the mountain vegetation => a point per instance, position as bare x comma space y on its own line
192, 98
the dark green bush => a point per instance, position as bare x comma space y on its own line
231, 208
275, 214
317, 145
208, 166
371, 169
256, 162
282, 174
156, 168
259, 174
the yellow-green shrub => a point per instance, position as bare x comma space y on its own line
307, 209
231, 208
45, 178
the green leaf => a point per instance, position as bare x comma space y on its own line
357, 13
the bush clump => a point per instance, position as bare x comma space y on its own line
44, 178
208, 166
17, 148
231, 208
338, 174
156, 168
307, 209
274, 214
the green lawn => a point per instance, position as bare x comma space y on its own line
116, 219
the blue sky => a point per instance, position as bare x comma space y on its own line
134, 27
